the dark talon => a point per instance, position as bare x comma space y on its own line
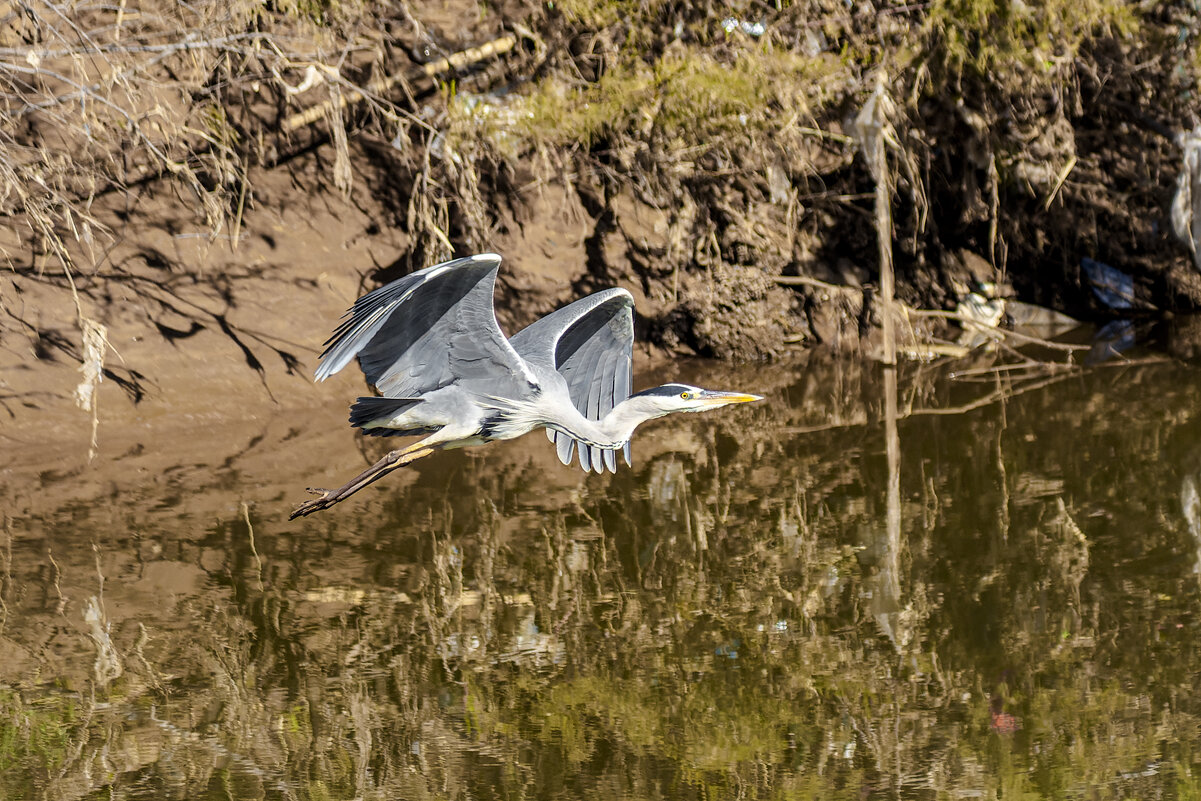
308, 507
327, 498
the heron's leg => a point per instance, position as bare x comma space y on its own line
392, 461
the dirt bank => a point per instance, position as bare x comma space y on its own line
210, 193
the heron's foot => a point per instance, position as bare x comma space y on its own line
322, 491
325, 501
327, 498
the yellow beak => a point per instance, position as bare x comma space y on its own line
722, 398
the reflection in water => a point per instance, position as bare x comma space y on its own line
1190, 501
841, 594
885, 586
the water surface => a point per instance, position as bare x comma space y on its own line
773, 603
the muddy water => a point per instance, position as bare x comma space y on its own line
982, 589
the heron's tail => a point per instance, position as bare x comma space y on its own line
375, 416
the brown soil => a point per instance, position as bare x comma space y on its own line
214, 346
211, 335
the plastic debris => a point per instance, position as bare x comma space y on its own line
1038, 320
756, 29
1186, 204
978, 314
981, 310
1112, 287
1113, 338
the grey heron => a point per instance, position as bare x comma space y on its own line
430, 344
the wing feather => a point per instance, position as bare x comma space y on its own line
590, 343
623, 384
565, 446
594, 454
608, 384
428, 330
586, 378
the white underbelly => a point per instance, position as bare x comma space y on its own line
470, 442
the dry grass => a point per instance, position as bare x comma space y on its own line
687, 95
112, 100
99, 100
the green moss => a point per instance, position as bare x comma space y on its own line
320, 12
686, 94
1001, 37
600, 13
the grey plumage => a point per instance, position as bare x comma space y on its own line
430, 344
448, 331
591, 344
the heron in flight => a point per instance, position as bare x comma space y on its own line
430, 344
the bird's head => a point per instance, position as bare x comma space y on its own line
671, 398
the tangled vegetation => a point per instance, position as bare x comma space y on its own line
1027, 135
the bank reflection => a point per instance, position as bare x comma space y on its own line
842, 593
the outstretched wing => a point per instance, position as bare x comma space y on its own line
427, 330
591, 344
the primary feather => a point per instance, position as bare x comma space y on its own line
591, 344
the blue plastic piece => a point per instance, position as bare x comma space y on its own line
1112, 287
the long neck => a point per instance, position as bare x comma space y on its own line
611, 431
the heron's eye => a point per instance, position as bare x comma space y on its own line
685, 395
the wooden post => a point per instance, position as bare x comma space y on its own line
872, 133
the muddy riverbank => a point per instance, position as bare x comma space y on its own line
975, 575
206, 195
